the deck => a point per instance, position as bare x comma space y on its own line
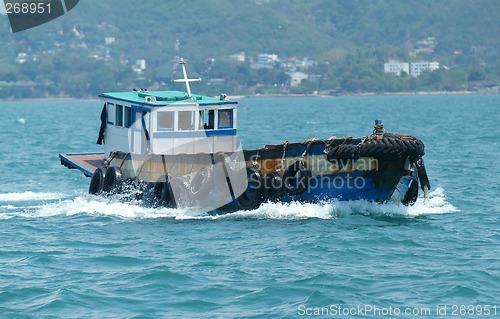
86, 163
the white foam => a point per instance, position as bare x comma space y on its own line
293, 210
7, 207
95, 205
435, 204
28, 196
5, 212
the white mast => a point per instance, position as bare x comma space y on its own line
186, 80
176, 58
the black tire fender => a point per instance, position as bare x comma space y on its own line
344, 151
422, 175
162, 192
201, 183
412, 192
252, 197
179, 192
113, 180
392, 148
223, 173
97, 181
296, 178
273, 187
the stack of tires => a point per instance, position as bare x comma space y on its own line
390, 147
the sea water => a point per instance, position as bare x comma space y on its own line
66, 254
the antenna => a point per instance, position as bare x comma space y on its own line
186, 80
176, 57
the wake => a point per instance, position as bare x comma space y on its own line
52, 204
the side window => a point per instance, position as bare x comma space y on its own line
186, 120
111, 113
207, 119
165, 120
119, 115
225, 118
128, 116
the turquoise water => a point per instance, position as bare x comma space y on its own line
65, 254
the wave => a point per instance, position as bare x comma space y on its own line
333, 209
7, 207
293, 210
93, 205
29, 196
436, 204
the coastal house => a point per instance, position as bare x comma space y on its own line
397, 67
416, 68
296, 78
265, 61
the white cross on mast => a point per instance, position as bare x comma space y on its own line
186, 80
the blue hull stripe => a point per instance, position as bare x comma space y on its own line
231, 132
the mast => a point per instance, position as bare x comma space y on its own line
176, 58
186, 80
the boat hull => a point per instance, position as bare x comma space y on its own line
310, 171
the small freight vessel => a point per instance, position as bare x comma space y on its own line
178, 149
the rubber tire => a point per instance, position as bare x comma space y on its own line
201, 183
180, 187
252, 197
223, 174
301, 182
422, 175
273, 187
97, 181
113, 180
412, 194
392, 148
161, 191
344, 151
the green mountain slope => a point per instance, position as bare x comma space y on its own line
369, 31
285, 27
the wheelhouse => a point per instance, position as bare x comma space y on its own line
168, 123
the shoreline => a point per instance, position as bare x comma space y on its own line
243, 96
236, 97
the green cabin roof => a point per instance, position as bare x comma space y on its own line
164, 98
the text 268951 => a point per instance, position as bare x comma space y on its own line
27, 7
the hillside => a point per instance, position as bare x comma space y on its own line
365, 32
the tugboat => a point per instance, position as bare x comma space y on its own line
178, 149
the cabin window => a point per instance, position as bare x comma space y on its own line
111, 115
165, 120
119, 115
186, 120
225, 118
207, 119
128, 116
138, 117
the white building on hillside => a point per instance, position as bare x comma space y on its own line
296, 78
237, 57
417, 68
266, 61
397, 67
265, 58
